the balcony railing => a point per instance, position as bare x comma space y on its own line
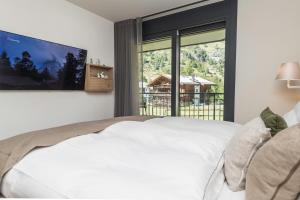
205, 106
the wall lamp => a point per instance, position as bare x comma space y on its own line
289, 72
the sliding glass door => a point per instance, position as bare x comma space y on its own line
156, 77
182, 74
202, 61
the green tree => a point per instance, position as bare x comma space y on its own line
205, 61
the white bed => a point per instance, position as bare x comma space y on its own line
169, 158
227, 194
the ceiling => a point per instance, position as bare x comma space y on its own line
118, 10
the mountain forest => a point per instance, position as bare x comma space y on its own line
204, 60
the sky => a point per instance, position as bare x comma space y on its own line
41, 51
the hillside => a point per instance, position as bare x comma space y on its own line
204, 60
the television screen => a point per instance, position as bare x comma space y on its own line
32, 64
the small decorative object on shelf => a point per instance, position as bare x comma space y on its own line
98, 78
91, 60
103, 75
99, 74
98, 62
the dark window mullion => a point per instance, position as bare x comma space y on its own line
175, 85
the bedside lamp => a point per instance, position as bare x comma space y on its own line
289, 72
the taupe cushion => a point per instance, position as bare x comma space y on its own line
274, 172
240, 151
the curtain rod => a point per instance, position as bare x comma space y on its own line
172, 9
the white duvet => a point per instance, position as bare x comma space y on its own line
169, 158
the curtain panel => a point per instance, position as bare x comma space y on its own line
126, 68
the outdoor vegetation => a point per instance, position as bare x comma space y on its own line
203, 60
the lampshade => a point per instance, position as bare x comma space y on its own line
289, 71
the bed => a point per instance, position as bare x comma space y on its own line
161, 158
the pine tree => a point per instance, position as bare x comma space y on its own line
45, 75
5, 65
26, 67
68, 74
80, 68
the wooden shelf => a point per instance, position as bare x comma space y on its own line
95, 84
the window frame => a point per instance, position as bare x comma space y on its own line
213, 16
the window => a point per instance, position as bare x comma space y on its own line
156, 78
202, 77
202, 61
201, 80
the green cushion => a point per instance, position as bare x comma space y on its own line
273, 121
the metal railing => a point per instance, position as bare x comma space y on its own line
205, 106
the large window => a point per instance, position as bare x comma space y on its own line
202, 83
200, 58
202, 61
155, 78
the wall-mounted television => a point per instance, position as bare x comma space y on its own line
32, 64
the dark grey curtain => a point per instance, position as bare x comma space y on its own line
126, 68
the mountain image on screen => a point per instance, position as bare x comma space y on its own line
32, 64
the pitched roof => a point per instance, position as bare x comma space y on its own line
191, 80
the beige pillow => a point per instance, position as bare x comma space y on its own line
241, 149
274, 173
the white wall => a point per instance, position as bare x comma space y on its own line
62, 22
268, 34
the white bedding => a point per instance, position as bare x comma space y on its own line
227, 194
169, 158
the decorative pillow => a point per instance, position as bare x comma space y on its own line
273, 121
274, 173
297, 111
240, 151
291, 118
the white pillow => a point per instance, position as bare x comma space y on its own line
297, 110
293, 117
240, 151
